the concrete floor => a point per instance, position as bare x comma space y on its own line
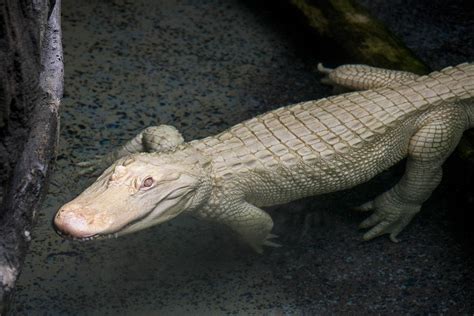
203, 66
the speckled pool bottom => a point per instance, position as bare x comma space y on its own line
203, 66
200, 66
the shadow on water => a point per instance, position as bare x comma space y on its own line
293, 25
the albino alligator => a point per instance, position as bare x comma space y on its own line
295, 151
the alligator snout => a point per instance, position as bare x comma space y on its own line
70, 222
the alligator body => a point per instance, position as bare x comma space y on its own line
295, 151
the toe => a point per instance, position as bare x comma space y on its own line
380, 229
368, 206
372, 220
271, 244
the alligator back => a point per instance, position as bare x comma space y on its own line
336, 130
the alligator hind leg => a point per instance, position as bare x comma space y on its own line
159, 138
363, 77
437, 136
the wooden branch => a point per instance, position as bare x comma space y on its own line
28, 183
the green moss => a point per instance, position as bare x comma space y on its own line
315, 17
343, 5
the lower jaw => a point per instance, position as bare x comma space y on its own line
94, 237
88, 238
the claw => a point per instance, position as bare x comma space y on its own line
271, 244
323, 69
368, 206
380, 229
372, 220
388, 217
393, 238
83, 164
95, 160
267, 242
87, 171
90, 167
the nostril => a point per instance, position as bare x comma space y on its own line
59, 214
62, 215
58, 218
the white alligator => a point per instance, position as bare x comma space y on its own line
304, 149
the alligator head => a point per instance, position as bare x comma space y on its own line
136, 192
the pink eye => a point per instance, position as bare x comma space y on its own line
147, 183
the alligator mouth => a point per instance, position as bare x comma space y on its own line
96, 236
93, 237
70, 237
116, 234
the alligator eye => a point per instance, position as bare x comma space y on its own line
147, 183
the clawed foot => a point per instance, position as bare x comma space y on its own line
337, 88
325, 71
91, 167
266, 242
388, 217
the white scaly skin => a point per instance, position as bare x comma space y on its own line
300, 150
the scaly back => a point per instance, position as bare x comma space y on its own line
320, 129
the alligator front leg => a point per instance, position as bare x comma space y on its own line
159, 138
439, 134
251, 223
